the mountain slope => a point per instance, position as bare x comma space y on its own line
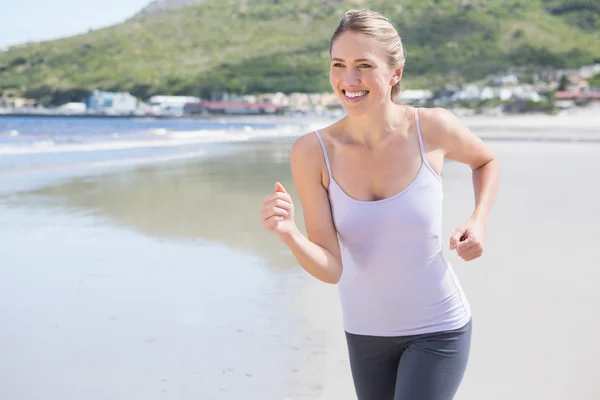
277, 45
160, 6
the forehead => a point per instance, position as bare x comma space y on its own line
355, 45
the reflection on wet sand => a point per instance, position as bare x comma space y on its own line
215, 199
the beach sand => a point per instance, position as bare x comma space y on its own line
159, 283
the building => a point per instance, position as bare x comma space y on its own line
587, 95
10, 99
170, 105
231, 108
416, 96
112, 103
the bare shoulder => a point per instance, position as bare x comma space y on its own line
303, 156
306, 151
304, 146
439, 122
445, 131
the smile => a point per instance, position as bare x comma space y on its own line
353, 97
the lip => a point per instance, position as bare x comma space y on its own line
355, 99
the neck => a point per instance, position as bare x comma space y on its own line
374, 127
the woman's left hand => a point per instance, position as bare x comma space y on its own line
468, 240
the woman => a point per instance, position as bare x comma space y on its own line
371, 192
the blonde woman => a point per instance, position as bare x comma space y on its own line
371, 192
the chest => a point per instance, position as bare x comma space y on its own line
373, 176
410, 215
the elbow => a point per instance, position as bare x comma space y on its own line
335, 276
490, 163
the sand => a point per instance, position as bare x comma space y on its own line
159, 283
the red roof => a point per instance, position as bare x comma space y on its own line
577, 95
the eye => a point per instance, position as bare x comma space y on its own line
365, 66
338, 65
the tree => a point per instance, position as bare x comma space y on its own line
564, 81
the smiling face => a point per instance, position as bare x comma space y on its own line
360, 73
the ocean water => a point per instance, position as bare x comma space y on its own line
37, 151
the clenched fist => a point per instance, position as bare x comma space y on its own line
468, 240
277, 211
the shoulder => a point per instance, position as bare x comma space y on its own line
304, 149
306, 143
307, 160
308, 147
441, 128
445, 131
438, 120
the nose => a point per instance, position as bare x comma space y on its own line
351, 77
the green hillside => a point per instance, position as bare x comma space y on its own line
248, 46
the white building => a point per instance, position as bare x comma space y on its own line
414, 96
503, 80
72, 108
170, 105
172, 101
112, 103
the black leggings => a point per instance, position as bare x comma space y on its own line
418, 367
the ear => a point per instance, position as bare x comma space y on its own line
397, 76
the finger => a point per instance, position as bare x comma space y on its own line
466, 245
271, 222
277, 195
455, 238
471, 256
286, 205
265, 208
279, 188
274, 211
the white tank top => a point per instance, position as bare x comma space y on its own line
396, 280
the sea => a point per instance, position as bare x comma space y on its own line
44, 149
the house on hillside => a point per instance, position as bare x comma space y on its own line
11, 99
111, 103
584, 95
170, 105
505, 80
416, 97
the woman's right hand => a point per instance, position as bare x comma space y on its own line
277, 211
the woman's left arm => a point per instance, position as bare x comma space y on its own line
458, 143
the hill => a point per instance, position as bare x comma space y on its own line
248, 46
160, 6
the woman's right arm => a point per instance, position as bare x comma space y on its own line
319, 253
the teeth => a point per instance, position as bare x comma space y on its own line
356, 94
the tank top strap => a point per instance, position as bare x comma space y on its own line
324, 152
419, 134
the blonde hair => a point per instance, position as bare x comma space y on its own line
374, 25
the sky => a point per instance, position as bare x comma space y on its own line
37, 20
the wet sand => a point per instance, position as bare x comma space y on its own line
159, 283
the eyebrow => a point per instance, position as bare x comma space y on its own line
358, 60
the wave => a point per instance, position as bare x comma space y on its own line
165, 139
10, 133
85, 168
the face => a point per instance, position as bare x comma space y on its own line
359, 73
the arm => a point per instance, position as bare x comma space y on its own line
319, 253
458, 143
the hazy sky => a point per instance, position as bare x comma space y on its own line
35, 20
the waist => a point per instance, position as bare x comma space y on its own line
405, 297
